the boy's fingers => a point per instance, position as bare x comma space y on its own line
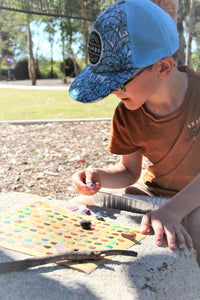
175, 232
78, 185
89, 178
187, 240
180, 235
158, 229
146, 222
85, 190
171, 238
79, 178
84, 183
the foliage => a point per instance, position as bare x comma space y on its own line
21, 70
81, 63
196, 32
44, 71
12, 33
45, 68
196, 59
51, 29
78, 9
3, 73
68, 68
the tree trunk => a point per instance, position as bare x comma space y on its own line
31, 64
70, 32
86, 37
64, 61
181, 50
74, 62
190, 29
85, 31
170, 6
51, 45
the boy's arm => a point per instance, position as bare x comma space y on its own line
121, 175
167, 219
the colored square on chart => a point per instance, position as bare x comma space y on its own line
40, 229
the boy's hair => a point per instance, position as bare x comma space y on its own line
127, 36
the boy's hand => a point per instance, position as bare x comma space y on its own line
86, 182
163, 221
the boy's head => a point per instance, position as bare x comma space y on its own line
127, 36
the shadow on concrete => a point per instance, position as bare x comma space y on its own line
35, 284
113, 214
150, 276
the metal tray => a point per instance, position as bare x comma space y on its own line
129, 202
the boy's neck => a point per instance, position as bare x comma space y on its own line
169, 96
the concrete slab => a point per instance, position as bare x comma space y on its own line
157, 272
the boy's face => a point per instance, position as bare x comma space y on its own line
140, 89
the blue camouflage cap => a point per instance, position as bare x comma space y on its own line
127, 36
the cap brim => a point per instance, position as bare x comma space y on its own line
90, 86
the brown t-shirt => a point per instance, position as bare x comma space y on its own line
172, 143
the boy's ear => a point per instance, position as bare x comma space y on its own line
166, 65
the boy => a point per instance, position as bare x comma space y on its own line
131, 48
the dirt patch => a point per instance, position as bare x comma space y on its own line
41, 158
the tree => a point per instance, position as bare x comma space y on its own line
190, 30
86, 26
170, 6
85, 30
178, 11
31, 61
180, 21
69, 27
15, 32
185, 23
50, 28
13, 39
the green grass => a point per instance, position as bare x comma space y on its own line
17, 104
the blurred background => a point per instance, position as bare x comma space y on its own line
48, 39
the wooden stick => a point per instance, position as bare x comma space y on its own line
68, 255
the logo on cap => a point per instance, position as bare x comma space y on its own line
94, 48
